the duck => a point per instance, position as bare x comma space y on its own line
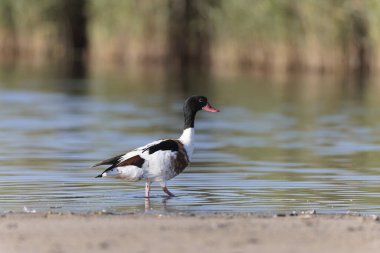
161, 160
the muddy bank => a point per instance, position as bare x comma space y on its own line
188, 233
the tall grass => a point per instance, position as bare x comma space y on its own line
263, 35
311, 34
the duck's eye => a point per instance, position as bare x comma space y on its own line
201, 100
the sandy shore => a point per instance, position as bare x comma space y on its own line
59, 233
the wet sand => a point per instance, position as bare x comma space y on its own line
59, 233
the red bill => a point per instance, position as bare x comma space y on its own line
209, 108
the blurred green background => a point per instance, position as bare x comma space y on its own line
255, 35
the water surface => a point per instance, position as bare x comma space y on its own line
278, 145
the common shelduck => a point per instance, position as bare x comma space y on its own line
161, 160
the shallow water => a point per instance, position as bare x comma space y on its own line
276, 146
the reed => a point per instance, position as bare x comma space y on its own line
260, 35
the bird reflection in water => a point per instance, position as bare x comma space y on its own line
164, 200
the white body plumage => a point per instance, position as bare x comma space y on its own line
158, 166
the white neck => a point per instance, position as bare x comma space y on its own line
187, 138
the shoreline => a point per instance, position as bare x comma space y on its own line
182, 232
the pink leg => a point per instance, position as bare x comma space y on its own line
165, 189
147, 189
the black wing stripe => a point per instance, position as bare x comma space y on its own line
163, 146
110, 161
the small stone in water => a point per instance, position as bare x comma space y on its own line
29, 210
313, 211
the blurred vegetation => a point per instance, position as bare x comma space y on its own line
263, 35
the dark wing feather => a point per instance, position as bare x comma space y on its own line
136, 160
109, 161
